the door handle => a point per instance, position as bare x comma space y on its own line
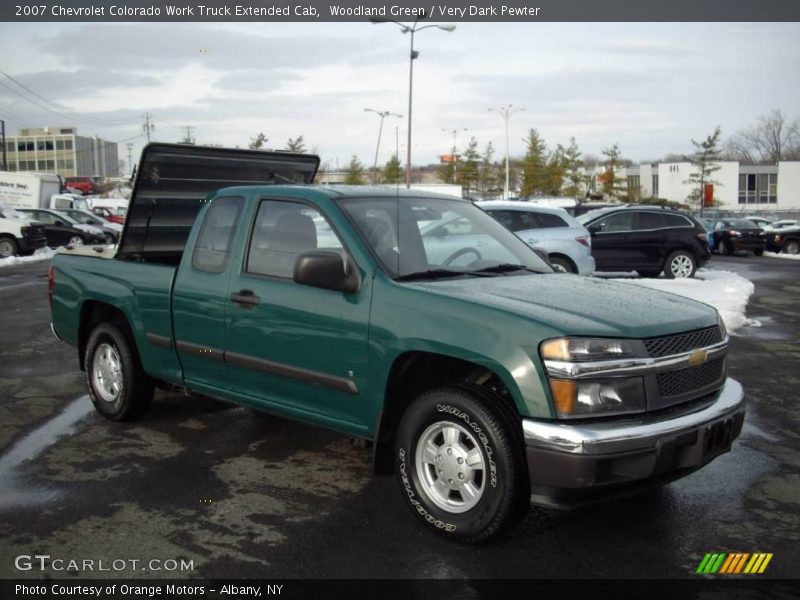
245, 298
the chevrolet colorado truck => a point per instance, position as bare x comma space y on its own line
484, 380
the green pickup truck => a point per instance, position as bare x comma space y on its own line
484, 380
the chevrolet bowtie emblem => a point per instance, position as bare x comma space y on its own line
698, 357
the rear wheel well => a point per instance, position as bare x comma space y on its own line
414, 372
92, 314
566, 258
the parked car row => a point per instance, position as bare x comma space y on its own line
25, 230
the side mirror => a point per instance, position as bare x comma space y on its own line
58, 223
325, 270
595, 228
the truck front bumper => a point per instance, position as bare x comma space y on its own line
572, 463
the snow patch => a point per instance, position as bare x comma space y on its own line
40, 254
726, 291
788, 256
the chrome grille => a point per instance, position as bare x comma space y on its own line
683, 381
682, 342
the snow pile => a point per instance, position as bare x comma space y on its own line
40, 254
789, 256
726, 291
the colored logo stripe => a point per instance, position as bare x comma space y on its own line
720, 562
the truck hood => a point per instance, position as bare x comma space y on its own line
581, 305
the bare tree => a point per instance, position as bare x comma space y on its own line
773, 138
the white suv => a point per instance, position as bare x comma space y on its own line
566, 242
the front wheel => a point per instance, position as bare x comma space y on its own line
680, 264
460, 463
75, 240
118, 386
792, 247
758, 251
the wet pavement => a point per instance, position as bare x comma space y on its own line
244, 494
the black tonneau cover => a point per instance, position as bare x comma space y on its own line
172, 180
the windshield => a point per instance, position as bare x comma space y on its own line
417, 235
10, 213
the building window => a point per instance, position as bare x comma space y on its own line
24, 146
655, 186
12, 166
69, 164
633, 182
43, 145
761, 188
67, 144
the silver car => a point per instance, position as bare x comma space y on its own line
566, 242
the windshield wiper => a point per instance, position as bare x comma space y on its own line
435, 274
506, 268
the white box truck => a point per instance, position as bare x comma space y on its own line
36, 190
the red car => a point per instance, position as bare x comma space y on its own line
85, 185
110, 214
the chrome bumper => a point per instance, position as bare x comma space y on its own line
613, 437
54, 332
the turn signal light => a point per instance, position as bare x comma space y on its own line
563, 395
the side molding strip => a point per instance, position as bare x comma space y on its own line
159, 340
340, 384
250, 362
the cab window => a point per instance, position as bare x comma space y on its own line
213, 247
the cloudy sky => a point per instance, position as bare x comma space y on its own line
649, 87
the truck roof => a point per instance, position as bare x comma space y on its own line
340, 191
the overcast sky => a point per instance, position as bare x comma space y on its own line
650, 87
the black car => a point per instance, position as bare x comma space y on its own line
647, 240
732, 235
83, 216
61, 230
786, 240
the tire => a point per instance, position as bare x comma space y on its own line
119, 387
564, 263
110, 239
758, 251
680, 265
8, 247
726, 248
462, 425
648, 273
75, 240
791, 247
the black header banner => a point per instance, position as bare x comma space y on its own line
399, 10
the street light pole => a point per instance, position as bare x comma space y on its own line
413, 55
382, 115
506, 112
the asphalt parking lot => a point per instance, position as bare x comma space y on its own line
243, 494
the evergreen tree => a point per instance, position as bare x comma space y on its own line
613, 185
534, 167
554, 174
447, 170
296, 145
469, 171
258, 142
489, 179
354, 175
392, 172
706, 155
573, 171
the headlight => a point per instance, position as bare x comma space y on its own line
25, 231
583, 349
721, 324
597, 397
777, 237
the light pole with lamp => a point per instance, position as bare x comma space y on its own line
382, 114
412, 29
506, 112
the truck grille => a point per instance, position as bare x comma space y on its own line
682, 342
683, 381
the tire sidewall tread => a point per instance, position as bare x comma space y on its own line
506, 489
138, 387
